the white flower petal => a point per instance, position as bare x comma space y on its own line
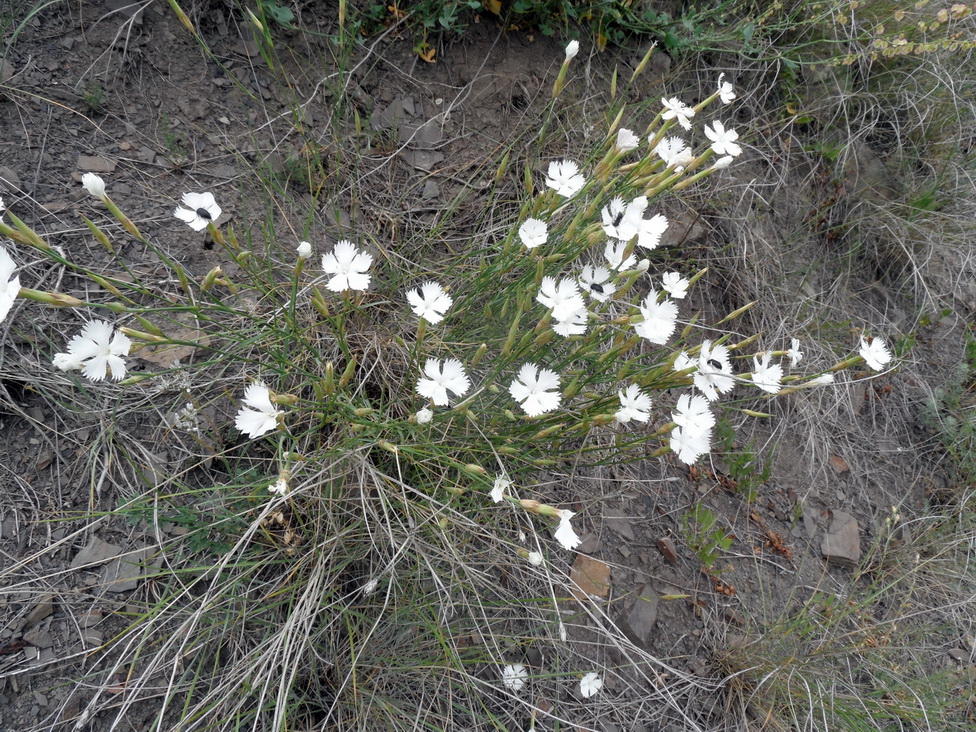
590, 684
565, 534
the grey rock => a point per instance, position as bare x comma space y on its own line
841, 544
9, 180
431, 191
126, 572
95, 164
810, 522
96, 552
426, 136
639, 623
618, 523
959, 656
589, 544
424, 160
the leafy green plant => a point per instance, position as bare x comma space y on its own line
94, 96
706, 537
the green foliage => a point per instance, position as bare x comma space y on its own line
275, 11
94, 96
705, 536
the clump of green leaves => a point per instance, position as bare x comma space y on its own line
705, 536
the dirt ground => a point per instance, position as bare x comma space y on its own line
124, 91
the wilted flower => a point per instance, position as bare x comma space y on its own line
9, 285
515, 674
535, 559
627, 140
674, 108
533, 233
794, 353
304, 250
574, 324
280, 487
595, 282
624, 221
442, 377
614, 254
536, 389
502, 484
572, 48
822, 380
689, 444
349, 267
563, 297
564, 177
722, 163
186, 419
675, 285
429, 302
714, 375
590, 684
674, 153
94, 185
651, 230
766, 377
424, 416
201, 209
96, 351
659, 319
875, 353
263, 414
565, 534
634, 404
726, 91
723, 140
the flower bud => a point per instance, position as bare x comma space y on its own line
94, 185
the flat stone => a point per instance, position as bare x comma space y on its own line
431, 191
96, 552
589, 576
9, 180
424, 160
841, 544
426, 136
639, 623
43, 608
589, 543
618, 523
125, 573
810, 522
389, 116
95, 164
